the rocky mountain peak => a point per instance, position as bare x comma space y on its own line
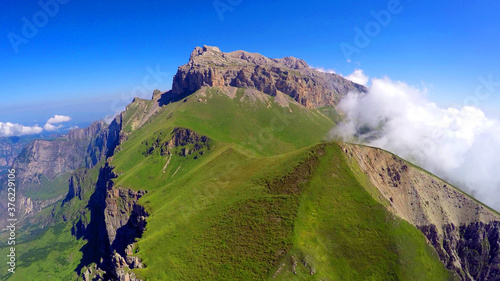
209, 67
292, 62
198, 51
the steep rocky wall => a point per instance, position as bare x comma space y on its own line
208, 66
116, 220
464, 233
50, 159
414, 194
472, 250
9, 149
53, 158
79, 148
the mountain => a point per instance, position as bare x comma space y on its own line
208, 66
230, 176
10, 147
44, 166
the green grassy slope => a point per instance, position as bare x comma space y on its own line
264, 199
247, 210
304, 207
343, 233
48, 189
45, 248
257, 128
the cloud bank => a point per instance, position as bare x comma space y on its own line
8, 129
358, 76
461, 145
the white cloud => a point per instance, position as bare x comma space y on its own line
322, 69
358, 76
458, 144
8, 129
58, 119
49, 126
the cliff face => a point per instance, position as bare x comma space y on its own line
9, 149
472, 250
463, 232
49, 159
79, 148
116, 220
208, 66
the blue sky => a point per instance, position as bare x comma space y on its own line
86, 59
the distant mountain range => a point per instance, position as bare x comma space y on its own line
231, 176
11, 147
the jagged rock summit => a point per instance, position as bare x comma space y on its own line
208, 66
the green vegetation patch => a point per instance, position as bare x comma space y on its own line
48, 189
343, 233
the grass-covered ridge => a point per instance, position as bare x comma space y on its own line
255, 194
268, 213
252, 207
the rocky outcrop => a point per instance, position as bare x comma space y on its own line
125, 222
116, 221
209, 67
93, 273
182, 142
75, 185
122, 265
414, 194
472, 251
125, 219
10, 147
464, 233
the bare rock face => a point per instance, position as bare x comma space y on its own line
49, 159
472, 251
116, 221
9, 149
464, 233
79, 148
208, 66
125, 219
